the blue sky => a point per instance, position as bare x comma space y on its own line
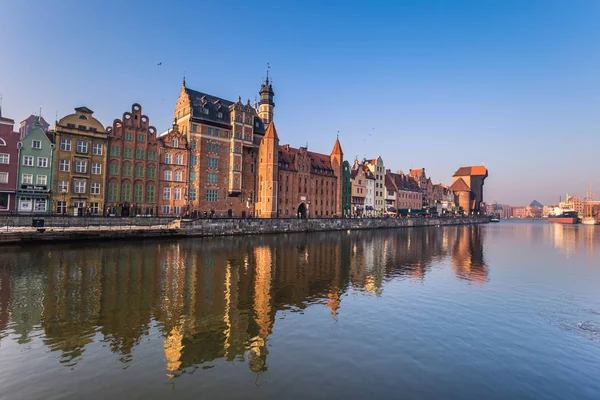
434, 84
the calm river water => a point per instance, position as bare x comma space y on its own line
501, 311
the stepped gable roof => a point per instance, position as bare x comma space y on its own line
460, 186
479, 170
214, 104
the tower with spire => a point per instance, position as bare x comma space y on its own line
268, 172
337, 160
266, 104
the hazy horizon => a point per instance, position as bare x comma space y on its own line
432, 84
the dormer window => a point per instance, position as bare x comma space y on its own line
70, 125
256, 124
82, 117
205, 111
82, 127
219, 115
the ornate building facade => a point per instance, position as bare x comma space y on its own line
80, 163
297, 183
132, 180
224, 137
175, 193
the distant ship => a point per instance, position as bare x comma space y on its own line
566, 217
495, 218
590, 219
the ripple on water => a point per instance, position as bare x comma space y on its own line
574, 318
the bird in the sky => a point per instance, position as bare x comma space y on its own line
160, 63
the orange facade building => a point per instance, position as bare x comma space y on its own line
297, 183
132, 181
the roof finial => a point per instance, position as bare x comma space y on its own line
338, 135
268, 68
40, 115
183, 78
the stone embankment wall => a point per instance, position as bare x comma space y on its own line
213, 227
70, 221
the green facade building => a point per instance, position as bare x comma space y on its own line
34, 178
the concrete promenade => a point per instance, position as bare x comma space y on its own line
63, 229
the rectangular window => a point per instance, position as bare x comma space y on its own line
115, 151
194, 129
216, 132
216, 148
213, 162
97, 149
140, 154
63, 186
168, 159
65, 144
167, 175
28, 161
40, 205
95, 188
82, 147
177, 210
79, 187
209, 146
193, 161
192, 194
3, 177
126, 192
194, 144
27, 179
175, 143
4, 158
166, 193
41, 180
36, 144
95, 208
193, 176
42, 162
141, 137
150, 194
64, 165
139, 171
126, 169
128, 152
166, 209
61, 207
138, 193
212, 178
177, 194
129, 136
178, 176
152, 155
151, 172
210, 131
211, 194
96, 168
178, 159
113, 192
80, 166
113, 169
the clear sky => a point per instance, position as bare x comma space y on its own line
434, 84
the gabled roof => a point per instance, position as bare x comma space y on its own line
460, 186
320, 164
479, 170
337, 148
271, 132
84, 110
416, 172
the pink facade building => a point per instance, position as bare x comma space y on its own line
8, 165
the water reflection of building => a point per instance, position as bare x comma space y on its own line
4, 299
218, 298
467, 257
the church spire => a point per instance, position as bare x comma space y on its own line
266, 104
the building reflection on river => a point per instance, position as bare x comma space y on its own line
212, 298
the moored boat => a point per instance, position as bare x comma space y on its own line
566, 217
494, 219
589, 221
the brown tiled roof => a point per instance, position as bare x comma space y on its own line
320, 164
337, 148
460, 186
471, 171
271, 132
416, 172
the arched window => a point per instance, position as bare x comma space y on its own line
2, 142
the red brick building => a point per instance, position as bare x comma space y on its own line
174, 157
9, 162
132, 164
297, 183
223, 137
467, 184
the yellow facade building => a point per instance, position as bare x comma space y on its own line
80, 164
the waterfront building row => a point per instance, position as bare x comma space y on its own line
219, 158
